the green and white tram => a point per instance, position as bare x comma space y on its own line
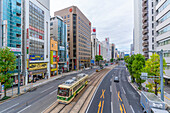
70, 88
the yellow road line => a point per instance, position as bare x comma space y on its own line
103, 91
119, 96
121, 109
166, 97
99, 107
102, 106
124, 108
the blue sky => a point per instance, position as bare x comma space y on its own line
112, 18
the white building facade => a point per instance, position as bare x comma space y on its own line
37, 39
163, 32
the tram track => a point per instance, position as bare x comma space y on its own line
82, 98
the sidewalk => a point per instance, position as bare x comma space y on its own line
32, 86
166, 95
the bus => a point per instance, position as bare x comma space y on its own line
70, 88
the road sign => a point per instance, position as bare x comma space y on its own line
144, 74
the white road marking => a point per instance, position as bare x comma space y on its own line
110, 80
24, 109
48, 107
110, 88
53, 92
47, 89
123, 90
9, 108
132, 109
111, 107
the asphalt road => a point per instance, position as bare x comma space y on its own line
112, 97
38, 100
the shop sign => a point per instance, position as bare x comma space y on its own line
2, 89
54, 69
61, 48
51, 56
37, 66
36, 57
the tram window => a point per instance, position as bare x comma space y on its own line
63, 92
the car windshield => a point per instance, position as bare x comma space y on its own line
63, 92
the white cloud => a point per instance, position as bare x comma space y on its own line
112, 18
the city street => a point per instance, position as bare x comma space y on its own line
37, 100
114, 97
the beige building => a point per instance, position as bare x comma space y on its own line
78, 36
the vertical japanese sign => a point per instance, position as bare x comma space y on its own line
27, 48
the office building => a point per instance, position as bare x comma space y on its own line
137, 26
36, 40
163, 32
54, 59
58, 30
10, 28
78, 36
131, 49
112, 47
94, 41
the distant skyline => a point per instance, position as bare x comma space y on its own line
113, 19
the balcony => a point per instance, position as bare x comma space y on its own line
145, 37
145, 49
145, 31
144, 5
145, 25
144, 1
145, 43
145, 12
146, 55
144, 9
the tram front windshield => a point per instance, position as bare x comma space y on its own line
63, 92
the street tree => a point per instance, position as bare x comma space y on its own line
152, 67
129, 61
98, 58
137, 68
111, 60
7, 64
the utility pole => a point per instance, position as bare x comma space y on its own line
161, 74
19, 73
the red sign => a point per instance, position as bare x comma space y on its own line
70, 10
58, 59
99, 49
54, 56
90, 23
94, 30
16, 81
27, 33
40, 37
67, 62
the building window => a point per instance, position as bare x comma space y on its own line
52, 45
152, 46
65, 21
68, 20
68, 34
152, 11
152, 4
152, 25
68, 16
51, 24
152, 39
64, 17
68, 25
152, 18
153, 32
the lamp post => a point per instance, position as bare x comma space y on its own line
161, 70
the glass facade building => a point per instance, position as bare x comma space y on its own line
62, 43
11, 25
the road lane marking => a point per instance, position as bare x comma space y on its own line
102, 106
47, 89
123, 90
121, 110
166, 97
99, 107
110, 80
111, 107
24, 109
9, 108
132, 109
124, 108
111, 89
103, 91
119, 96
53, 92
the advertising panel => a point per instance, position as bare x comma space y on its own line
93, 32
36, 57
51, 56
55, 69
37, 66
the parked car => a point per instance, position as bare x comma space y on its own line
116, 79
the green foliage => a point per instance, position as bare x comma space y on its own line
152, 67
111, 60
7, 64
98, 58
137, 68
126, 58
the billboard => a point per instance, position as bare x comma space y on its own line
93, 31
36, 57
37, 66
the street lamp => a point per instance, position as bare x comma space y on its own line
161, 69
19, 69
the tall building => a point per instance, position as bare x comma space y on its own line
137, 26
58, 30
36, 40
78, 36
163, 31
112, 50
10, 28
148, 15
93, 45
131, 49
